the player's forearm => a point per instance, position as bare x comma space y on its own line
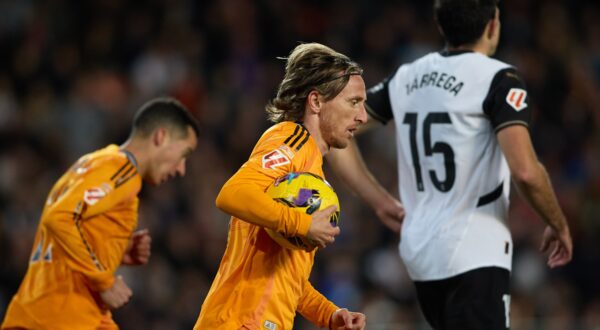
246, 201
537, 190
80, 256
349, 165
315, 307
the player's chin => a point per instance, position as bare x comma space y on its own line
156, 181
340, 143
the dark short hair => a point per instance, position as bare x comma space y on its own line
463, 21
310, 67
160, 112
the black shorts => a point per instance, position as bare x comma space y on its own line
475, 300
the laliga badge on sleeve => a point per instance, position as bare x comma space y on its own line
516, 98
274, 159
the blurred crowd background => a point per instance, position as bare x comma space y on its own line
73, 72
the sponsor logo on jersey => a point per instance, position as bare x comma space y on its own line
93, 195
516, 98
274, 159
270, 325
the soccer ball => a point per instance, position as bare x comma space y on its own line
305, 192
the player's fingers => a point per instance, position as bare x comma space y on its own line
145, 240
559, 258
328, 239
357, 320
321, 243
362, 321
347, 318
393, 223
335, 231
552, 257
545, 244
128, 292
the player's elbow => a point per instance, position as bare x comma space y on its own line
53, 223
525, 175
224, 200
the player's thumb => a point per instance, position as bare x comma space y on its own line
545, 244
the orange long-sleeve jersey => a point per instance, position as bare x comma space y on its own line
85, 227
261, 285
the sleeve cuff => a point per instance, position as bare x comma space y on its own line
332, 308
510, 123
304, 224
102, 282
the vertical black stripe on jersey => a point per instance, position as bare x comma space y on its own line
293, 134
378, 103
127, 172
125, 175
302, 133
91, 253
501, 114
299, 132
123, 179
77, 216
120, 170
303, 141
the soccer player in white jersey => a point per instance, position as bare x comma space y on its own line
462, 132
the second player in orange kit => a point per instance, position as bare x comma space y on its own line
86, 230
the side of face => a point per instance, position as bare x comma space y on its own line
170, 155
341, 116
495, 38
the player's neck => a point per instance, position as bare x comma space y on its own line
311, 123
481, 47
136, 148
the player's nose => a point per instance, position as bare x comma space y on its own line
362, 114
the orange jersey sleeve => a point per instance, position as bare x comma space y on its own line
261, 285
85, 227
278, 152
315, 307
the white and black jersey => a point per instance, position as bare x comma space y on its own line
454, 179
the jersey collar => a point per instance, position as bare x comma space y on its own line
131, 157
447, 53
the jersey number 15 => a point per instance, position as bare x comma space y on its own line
438, 147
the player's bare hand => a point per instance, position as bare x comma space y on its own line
118, 295
342, 319
391, 212
560, 246
138, 251
321, 231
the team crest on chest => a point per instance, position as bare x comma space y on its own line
516, 98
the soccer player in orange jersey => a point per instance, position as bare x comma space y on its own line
86, 230
261, 285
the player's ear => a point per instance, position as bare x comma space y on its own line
493, 25
159, 136
314, 101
